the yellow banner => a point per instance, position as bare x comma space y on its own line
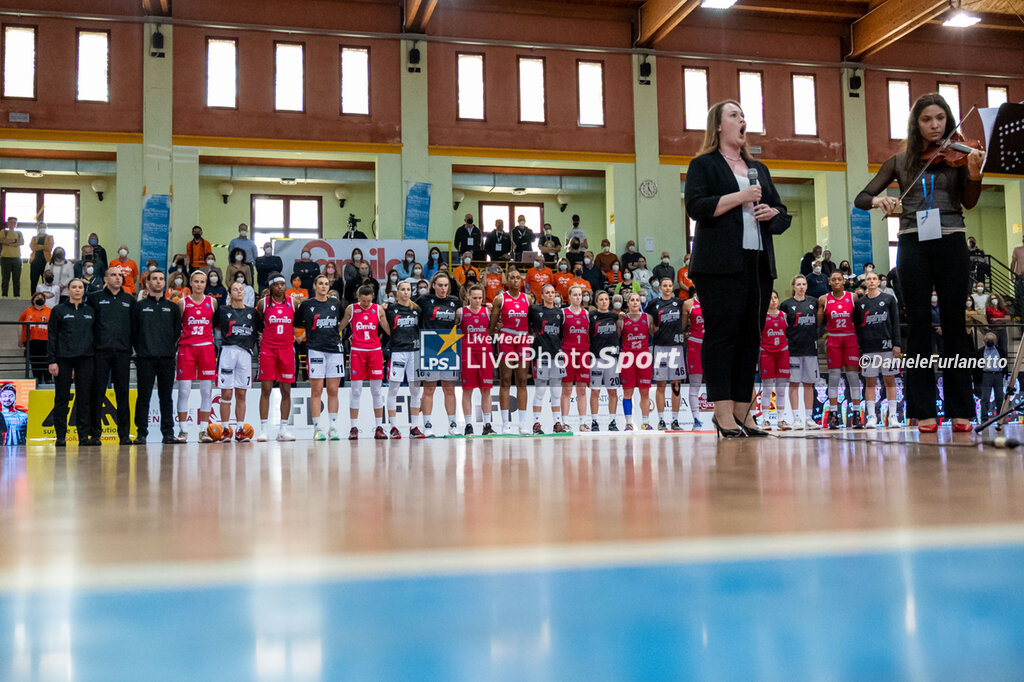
40, 416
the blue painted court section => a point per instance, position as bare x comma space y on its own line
949, 614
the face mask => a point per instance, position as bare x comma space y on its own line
93, 241
152, 268
883, 285
330, 271
935, 299
197, 236
587, 261
239, 257
631, 248
214, 279
990, 343
88, 271
869, 269
296, 284
615, 268
578, 273
469, 221
993, 303
627, 277
417, 272
574, 245
537, 264
48, 279
466, 261
409, 259
606, 249
38, 301
547, 231
305, 255
665, 261
845, 268
41, 231
391, 299
357, 257
267, 251
817, 271
435, 256
558, 300
522, 223
423, 292
209, 261
979, 289
586, 299
240, 280
617, 305
243, 235
563, 267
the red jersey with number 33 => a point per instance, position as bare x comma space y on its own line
197, 322
278, 323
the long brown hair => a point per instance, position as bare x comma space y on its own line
915, 143
711, 139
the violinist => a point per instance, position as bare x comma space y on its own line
936, 183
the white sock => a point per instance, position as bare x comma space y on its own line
263, 425
799, 412
536, 418
524, 417
418, 420
203, 426
486, 417
871, 408
675, 415
504, 417
332, 419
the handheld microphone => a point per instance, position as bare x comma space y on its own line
752, 177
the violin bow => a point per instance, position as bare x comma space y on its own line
943, 143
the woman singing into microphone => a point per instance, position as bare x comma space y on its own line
737, 209
932, 255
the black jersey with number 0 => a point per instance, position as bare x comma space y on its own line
320, 320
239, 326
546, 327
604, 332
802, 332
437, 313
405, 327
668, 316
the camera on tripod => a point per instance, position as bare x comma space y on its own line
353, 220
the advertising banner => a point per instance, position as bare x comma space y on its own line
14, 402
156, 225
381, 254
417, 210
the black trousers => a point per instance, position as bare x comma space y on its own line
147, 372
81, 368
111, 367
35, 273
734, 308
943, 265
36, 351
11, 267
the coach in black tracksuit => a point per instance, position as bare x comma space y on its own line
112, 361
156, 326
69, 351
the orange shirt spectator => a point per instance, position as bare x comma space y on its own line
128, 269
198, 249
683, 278
493, 284
300, 331
38, 319
461, 271
536, 278
580, 282
562, 282
614, 275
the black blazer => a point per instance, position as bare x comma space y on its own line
718, 242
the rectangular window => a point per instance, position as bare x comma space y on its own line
951, 93
93, 66
222, 72
695, 98
285, 217
531, 90
490, 211
289, 75
997, 95
590, 88
899, 109
752, 100
57, 208
19, 49
805, 108
471, 86
355, 80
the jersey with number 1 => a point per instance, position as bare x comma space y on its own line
278, 323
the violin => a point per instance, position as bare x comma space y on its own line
953, 151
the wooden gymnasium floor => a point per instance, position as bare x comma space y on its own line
872, 555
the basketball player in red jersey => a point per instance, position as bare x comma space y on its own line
197, 358
635, 360
693, 323
836, 311
575, 347
775, 363
477, 361
510, 320
277, 352
367, 359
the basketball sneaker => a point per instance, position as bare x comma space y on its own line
379, 433
469, 430
395, 433
594, 426
629, 426
488, 429
661, 425
613, 426
416, 432
205, 437
353, 433
537, 430
284, 435
675, 425
333, 434
872, 422
318, 434
225, 437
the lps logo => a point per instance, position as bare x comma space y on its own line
440, 351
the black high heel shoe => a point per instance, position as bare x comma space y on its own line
727, 433
752, 431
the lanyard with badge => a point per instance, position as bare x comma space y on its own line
929, 226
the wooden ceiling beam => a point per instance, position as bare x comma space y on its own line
417, 15
817, 10
659, 17
890, 21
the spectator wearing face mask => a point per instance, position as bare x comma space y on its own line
247, 246
94, 279
63, 271
617, 302
351, 270
435, 259
549, 245
98, 252
664, 268
498, 244
574, 254
391, 284
128, 269
469, 238
578, 280
522, 238
464, 268
416, 276
151, 266
883, 286
976, 323
539, 275
631, 257
849, 279
591, 273
683, 282
995, 313
330, 271
980, 296
494, 282
48, 290
248, 293
563, 279
817, 282
868, 269
33, 335
210, 267
405, 267
576, 232
238, 262
215, 289
351, 295
936, 324
628, 285
307, 270
979, 267
614, 276
87, 257
606, 258
990, 375
643, 277
177, 287
808, 260
197, 250
266, 264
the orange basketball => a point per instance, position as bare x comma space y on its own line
244, 433
215, 431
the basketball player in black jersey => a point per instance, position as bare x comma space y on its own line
239, 326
